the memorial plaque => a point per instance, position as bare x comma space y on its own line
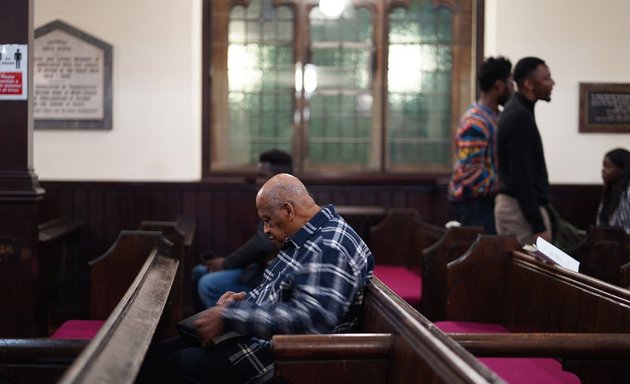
72, 79
605, 107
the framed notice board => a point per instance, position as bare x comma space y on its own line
605, 107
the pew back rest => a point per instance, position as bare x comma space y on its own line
393, 241
449, 247
494, 282
361, 218
112, 273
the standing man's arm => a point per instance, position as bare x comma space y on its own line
523, 138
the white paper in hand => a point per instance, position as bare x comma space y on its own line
557, 255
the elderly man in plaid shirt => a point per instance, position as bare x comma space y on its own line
315, 285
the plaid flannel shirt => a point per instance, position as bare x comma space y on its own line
314, 286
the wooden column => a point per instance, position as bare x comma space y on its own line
19, 188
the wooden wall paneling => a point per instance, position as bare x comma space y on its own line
97, 221
143, 204
112, 223
225, 212
127, 216
160, 205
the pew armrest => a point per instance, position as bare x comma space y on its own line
23, 351
565, 345
332, 347
58, 227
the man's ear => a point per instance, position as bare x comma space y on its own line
499, 86
528, 84
288, 208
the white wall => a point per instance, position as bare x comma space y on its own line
157, 84
581, 41
156, 131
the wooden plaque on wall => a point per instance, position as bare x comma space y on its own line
605, 107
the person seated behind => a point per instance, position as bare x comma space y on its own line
315, 285
242, 269
614, 208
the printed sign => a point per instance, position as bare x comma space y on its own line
13, 71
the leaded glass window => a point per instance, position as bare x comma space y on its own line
378, 89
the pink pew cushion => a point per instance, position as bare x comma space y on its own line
403, 281
78, 329
515, 370
530, 370
470, 327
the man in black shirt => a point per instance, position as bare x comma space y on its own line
521, 205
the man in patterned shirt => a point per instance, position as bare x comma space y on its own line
314, 286
473, 184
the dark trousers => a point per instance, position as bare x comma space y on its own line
176, 361
477, 212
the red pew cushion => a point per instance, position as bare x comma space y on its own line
404, 282
526, 370
530, 370
470, 327
78, 329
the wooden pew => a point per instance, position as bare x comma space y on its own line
450, 246
123, 260
60, 241
603, 253
361, 218
181, 233
121, 341
36, 361
115, 354
395, 345
496, 283
397, 243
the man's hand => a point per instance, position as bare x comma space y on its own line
545, 235
230, 296
215, 264
209, 324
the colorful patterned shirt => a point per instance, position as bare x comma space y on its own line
315, 285
475, 170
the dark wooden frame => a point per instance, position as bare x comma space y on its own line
585, 90
106, 121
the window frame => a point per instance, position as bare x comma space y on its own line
212, 29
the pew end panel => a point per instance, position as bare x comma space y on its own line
434, 260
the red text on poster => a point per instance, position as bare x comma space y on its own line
11, 83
